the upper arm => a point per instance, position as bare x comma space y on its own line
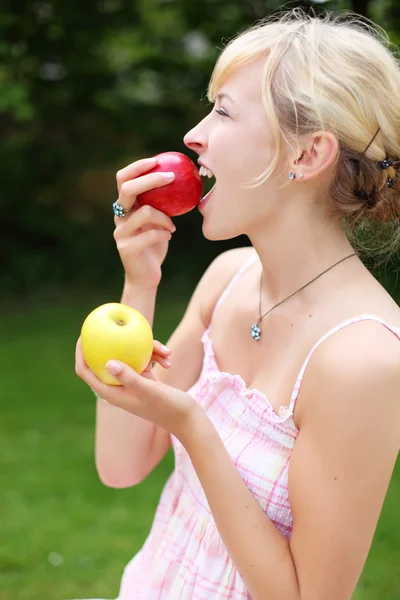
185, 342
343, 459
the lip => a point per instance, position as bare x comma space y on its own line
204, 165
206, 197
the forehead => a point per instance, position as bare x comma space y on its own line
244, 84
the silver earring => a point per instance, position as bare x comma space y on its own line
291, 175
301, 175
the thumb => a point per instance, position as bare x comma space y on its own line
125, 374
118, 370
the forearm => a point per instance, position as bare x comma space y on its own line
142, 300
259, 551
126, 444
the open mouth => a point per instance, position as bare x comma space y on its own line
205, 172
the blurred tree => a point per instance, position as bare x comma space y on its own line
361, 7
86, 88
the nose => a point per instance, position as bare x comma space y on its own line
196, 138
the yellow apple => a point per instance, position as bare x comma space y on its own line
116, 331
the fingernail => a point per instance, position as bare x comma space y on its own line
173, 229
114, 367
168, 363
165, 348
168, 176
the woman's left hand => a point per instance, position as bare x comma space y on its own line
142, 395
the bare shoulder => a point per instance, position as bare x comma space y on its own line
365, 349
370, 337
218, 275
362, 356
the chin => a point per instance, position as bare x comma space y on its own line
226, 222
220, 232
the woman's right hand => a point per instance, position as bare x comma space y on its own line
143, 235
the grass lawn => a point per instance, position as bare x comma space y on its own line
63, 534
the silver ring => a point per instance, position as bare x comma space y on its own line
120, 211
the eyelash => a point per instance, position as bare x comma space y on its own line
222, 113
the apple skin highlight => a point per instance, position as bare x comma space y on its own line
116, 331
181, 195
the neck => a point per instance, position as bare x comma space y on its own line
294, 250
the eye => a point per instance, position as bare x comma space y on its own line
222, 112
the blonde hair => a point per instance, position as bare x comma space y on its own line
336, 73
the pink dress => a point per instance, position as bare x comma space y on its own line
184, 557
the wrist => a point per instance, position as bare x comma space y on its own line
197, 429
139, 289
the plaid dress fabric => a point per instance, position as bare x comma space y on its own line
184, 557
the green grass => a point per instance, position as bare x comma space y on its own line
63, 534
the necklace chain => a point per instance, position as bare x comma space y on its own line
256, 330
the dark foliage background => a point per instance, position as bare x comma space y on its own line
88, 87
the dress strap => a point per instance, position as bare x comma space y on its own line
296, 390
237, 276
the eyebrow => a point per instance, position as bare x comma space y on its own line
222, 95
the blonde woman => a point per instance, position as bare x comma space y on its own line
282, 403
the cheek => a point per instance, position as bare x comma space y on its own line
242, 156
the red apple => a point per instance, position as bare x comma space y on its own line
185, 191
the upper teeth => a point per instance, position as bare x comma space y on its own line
204, 172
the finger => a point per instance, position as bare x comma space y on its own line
159, 348
161, 357
129, 190
135, 169
163, 362
79, 360
145, 218
141, 242
86, 374
142, 387
115, 395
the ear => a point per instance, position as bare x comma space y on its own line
316, 155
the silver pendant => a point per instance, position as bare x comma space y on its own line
255, 332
